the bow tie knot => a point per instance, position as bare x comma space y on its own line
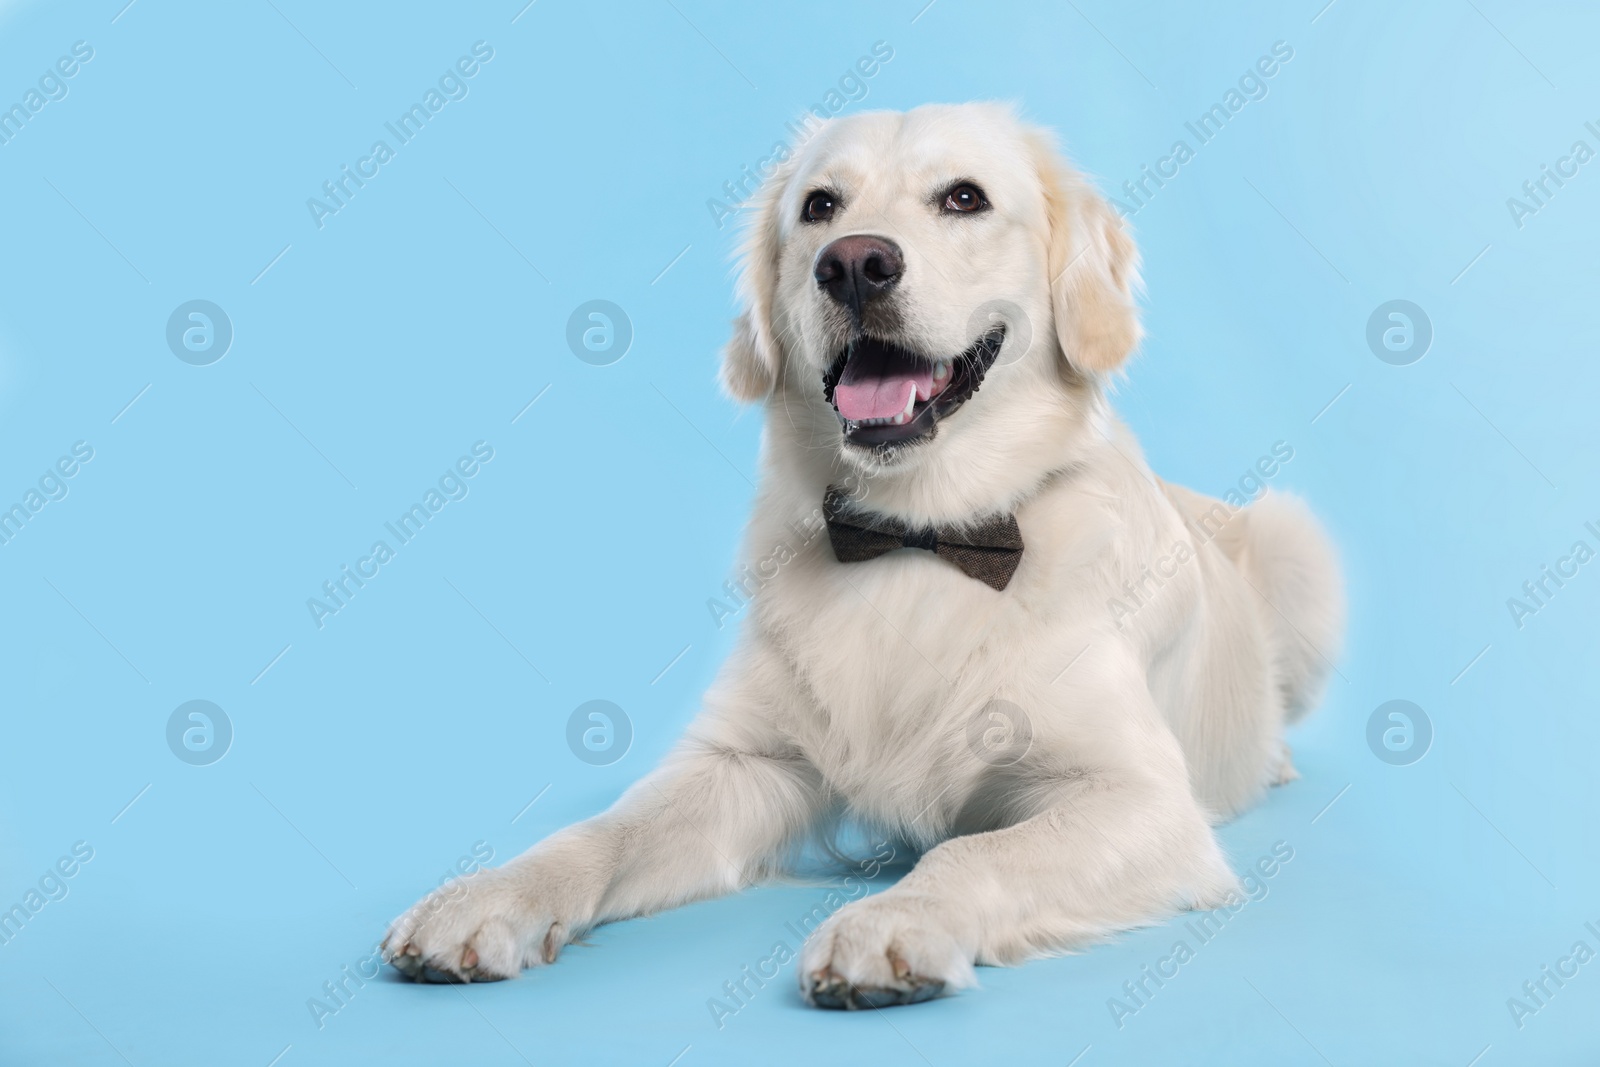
988, 550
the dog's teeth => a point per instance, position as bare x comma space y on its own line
911, 400
941, 370
900, 420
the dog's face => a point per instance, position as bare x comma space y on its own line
898, 262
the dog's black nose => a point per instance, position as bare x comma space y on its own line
857, 269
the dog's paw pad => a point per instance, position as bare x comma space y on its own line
881, 952
826, 989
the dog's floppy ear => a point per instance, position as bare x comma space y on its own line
753, 357
1094, 268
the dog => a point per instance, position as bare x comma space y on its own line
974, 658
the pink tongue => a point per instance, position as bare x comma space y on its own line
881, 398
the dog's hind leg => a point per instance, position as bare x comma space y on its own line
1293, 569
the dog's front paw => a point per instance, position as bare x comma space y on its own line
481, 928
887, 949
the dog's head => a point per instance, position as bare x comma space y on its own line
896, 262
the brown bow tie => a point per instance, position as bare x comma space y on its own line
988, 550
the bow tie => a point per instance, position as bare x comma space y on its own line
988, 550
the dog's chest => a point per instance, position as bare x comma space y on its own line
895, 655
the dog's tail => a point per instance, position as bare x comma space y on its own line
1298, 589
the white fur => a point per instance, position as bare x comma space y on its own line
854, 685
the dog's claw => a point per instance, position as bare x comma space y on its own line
406, 962
409, 961
827, 990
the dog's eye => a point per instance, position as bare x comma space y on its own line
819, 207
965, 198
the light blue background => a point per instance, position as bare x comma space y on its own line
424, 316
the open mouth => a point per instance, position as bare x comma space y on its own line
888, 395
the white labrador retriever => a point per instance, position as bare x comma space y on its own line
1013, 646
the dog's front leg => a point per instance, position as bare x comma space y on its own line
1114, 839
710, 820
